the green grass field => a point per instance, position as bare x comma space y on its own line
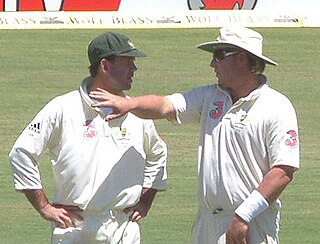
37, 65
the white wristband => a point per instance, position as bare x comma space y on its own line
252, 206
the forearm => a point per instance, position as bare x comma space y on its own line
141, 209
259, 200
268, 191
148, 195
61, 215
152, 107
37, 198
275, 181
146, 107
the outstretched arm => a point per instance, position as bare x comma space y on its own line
146, 107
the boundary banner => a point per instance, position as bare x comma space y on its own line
185, 19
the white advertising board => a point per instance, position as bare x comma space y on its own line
68, 14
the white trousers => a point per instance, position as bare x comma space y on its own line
112, 227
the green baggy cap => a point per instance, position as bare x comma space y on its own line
111, 43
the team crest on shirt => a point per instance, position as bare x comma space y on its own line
91, 131
292, 139
216, 112
123, 137
123, 131
123, 134
241, 119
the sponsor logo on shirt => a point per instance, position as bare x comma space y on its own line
292, 139
35, 127
216, 112
91, 131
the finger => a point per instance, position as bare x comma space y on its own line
102, 90
135, 217
67, 220
112, 117
73, 219
98, 95
60, 223
95, 93
101, 104
99, 98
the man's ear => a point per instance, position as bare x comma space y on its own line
104, 65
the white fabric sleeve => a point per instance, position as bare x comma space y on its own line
155, 175
29, 146
283, 138
179, 103
189, 105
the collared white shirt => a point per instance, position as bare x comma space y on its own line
96, 164
239, 143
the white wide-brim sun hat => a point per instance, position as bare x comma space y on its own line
240, 37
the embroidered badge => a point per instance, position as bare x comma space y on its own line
123, 131
243, 117
216, 112
123, 137
91, 131
292, 140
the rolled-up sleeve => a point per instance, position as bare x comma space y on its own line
155, 175
30, 145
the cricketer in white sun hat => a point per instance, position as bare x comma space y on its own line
238, 37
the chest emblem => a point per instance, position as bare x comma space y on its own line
91, 131
243, 117
216, 112
123, 132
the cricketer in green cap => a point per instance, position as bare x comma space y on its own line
111, 44
107, 174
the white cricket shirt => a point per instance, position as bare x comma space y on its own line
239, 143
97, 164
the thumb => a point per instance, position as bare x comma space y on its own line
112, 116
